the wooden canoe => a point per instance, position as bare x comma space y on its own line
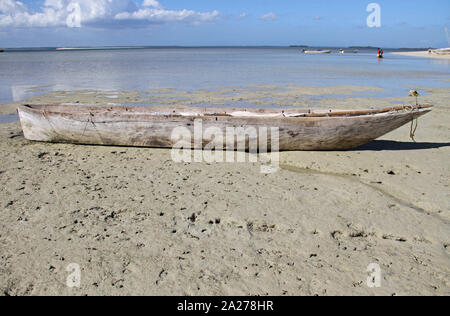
153, 126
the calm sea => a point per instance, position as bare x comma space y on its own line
23, 74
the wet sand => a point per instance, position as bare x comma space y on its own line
138, 223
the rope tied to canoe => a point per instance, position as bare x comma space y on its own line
413, 130
408, 108
414, 123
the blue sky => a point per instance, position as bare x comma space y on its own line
404, 23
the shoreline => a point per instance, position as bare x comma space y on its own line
343, 97
425, 54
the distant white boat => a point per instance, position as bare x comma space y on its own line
319, 51
442, 51
342, 51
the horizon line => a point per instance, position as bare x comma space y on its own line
205, 46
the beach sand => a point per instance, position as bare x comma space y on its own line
422, 54
138, 223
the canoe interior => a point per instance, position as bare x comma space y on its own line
205, 112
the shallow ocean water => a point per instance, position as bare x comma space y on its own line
25, 74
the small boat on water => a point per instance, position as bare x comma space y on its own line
342, 51
299, 129
441, 51
319, 51
2, 50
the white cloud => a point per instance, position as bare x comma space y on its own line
57, 4
161, 16
55, 13
8, 6
242, 16
151, 3
269, 17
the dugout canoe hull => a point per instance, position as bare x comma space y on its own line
163, 127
